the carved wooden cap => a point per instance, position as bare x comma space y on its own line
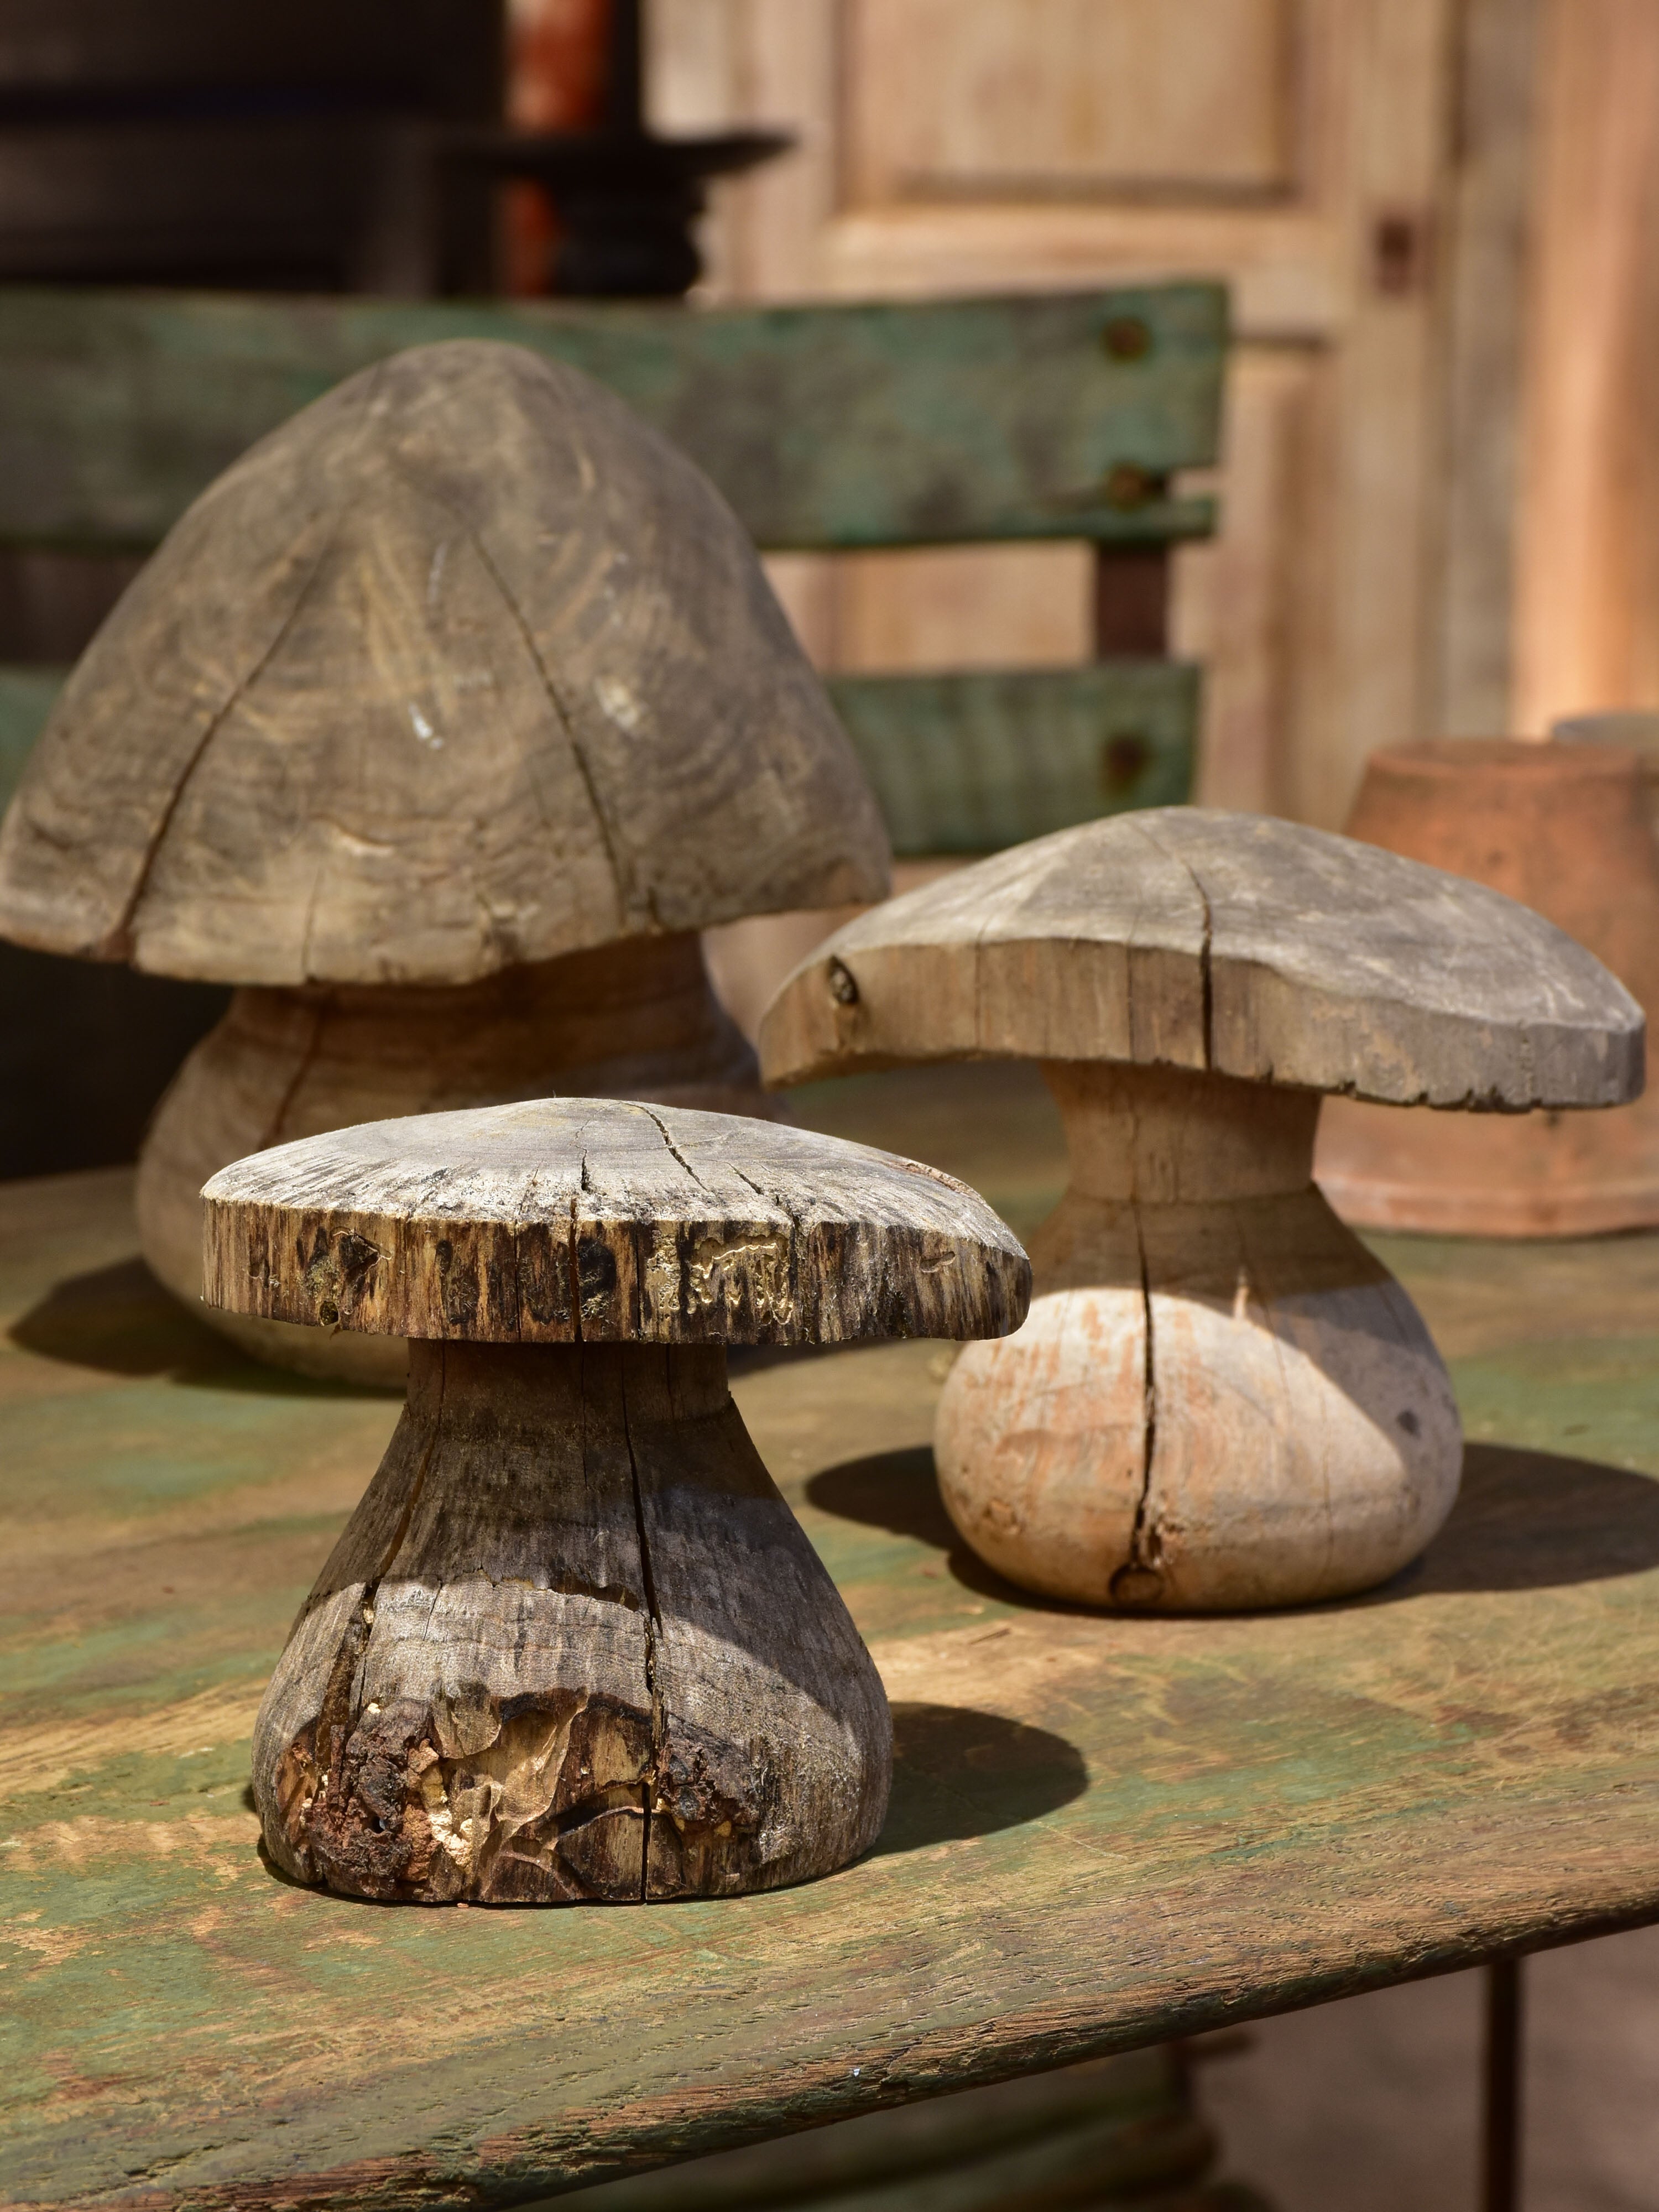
461, 667
1230, 943
573, 1219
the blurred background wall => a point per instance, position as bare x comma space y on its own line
1441, 488
1441, 510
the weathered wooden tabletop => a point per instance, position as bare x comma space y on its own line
1103, 1830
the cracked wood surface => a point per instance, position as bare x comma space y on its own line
1232, 943
1220, 1399
571, 1646
1104, 1831
463, 666
636, 1019
567, 1219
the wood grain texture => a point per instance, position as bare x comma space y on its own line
844, 424
1220, 1399
1587, 548
1237, 944
1105, 1829
636, 1019
572, 1646
462, 667
966, 763
565, 1219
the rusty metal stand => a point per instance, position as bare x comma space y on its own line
1500, 2178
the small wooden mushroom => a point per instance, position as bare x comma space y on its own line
1221, 1399
440, 724
573, 1644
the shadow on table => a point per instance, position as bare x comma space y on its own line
958, 1773
1524, 1520
898, 1491
1534, 1520
120, 1321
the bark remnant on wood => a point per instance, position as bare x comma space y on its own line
571, 1645
564, 1219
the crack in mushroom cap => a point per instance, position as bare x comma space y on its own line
567, 1219
1235, 944
461, 667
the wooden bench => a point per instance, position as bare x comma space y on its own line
829, 428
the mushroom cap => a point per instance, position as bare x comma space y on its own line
462, 667
580, 1219
1228, 943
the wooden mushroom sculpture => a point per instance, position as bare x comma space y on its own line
1220, 1399
440, 725
573, 1644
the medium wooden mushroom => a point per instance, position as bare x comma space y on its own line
573, 1644
442, 724
1221, 1399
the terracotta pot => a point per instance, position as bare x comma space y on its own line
1565, 829
1635, 727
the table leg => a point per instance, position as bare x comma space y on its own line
1501, 2149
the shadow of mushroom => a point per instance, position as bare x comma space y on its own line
120, 1321
1523, 1520
899, 1491
958, 1773
1534, 1520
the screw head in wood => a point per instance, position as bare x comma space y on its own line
1126, 337
1127, 487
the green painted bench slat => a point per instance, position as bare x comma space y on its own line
26, 697
969, 763
959, 764
830, 426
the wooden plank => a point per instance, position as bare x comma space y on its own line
1587, 533
1105, 1831
972, 762
1187, 100
826, 426
1117, 2133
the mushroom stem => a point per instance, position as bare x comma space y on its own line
1166, 1135
1219, 1399
634, 1019
573, 1644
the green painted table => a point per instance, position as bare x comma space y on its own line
1104, 1832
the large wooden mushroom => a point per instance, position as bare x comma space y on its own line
1221, 1398
573, 1644
440, 724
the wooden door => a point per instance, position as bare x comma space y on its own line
1299, 148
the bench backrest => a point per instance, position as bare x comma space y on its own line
828, 427
831, 426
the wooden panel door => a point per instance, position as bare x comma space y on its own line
1299, 148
